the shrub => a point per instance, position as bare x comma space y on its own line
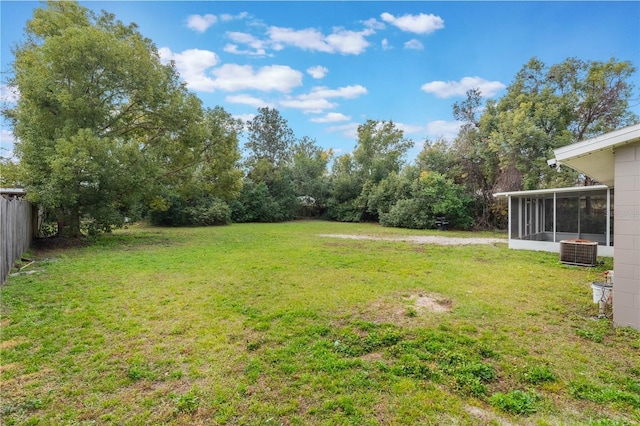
256, 202
432, 195
200, 211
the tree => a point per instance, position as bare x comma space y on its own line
199, 179
270, 143
269, 138
100, 122
549, 107
379, 151
503, 144
346, 186
308, 171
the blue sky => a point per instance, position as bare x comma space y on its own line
328, 66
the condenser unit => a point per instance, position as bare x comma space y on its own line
579, 252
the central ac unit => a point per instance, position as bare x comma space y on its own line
579, 252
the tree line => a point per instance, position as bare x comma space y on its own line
106, 133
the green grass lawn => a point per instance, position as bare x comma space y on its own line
273, 324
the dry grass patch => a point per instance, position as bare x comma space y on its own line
11, 343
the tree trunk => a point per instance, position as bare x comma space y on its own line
68, 220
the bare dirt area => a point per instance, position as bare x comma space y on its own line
431, 303
45, 244
402, 308
422, 239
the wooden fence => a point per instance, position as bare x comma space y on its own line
16, 232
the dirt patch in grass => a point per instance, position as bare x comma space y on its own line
58, 243
403, 308
421, 239
485, 416
8, 344
372, 357
19, 385
431, 303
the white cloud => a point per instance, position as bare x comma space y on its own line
349, 130
349, 42
419, 24
374, 24
447, 89
7, 140
201, 23
332, 117
192, 65
445, 129
317, 100
248, 100
340, 41
9, 94
307, 39
244, 117
409, 129
233, 77
385, 44
6, 137
233, 49
309, 105
228, 17
246, 38
347, 92
258, 46
317, 71
413, 44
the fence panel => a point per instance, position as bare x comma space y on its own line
16, 231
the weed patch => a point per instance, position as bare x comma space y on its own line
538, 374
516, 402
604, 394
188, 402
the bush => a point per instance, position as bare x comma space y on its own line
217, 213
257, 204
432, 195
408, 214
195, 212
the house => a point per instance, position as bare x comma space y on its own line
608, 214
614, 160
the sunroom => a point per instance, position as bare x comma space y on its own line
541, 219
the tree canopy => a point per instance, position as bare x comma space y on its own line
503, 144
101, 123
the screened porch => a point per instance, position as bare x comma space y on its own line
539, 220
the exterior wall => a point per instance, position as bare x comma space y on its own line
626, 300
551, 247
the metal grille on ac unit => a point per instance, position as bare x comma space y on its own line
579, 252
